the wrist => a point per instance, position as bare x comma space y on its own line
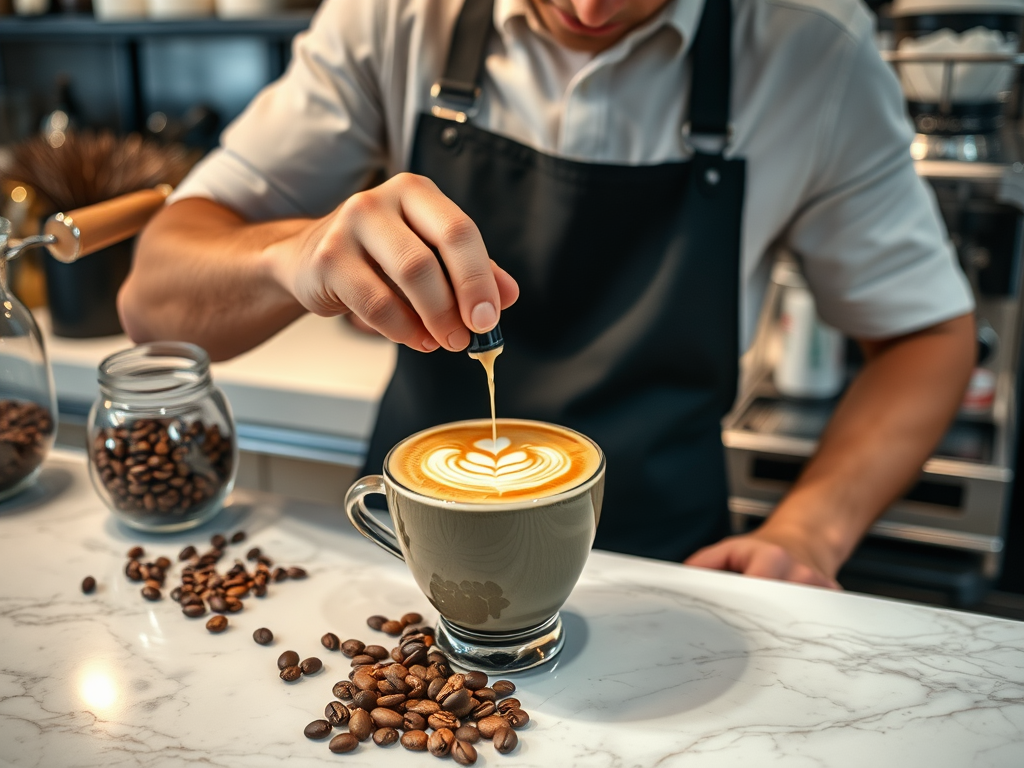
810, 533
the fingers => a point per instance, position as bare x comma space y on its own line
508, 288
762, 559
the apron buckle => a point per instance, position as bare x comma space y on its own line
708, 143
452, 103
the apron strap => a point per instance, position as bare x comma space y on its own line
460, 83
712, 71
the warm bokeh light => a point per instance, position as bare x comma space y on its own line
98, 690
18, 194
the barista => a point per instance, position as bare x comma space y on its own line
608, 173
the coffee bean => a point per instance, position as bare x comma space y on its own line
253, 554
384, 737
413, 721
88, 585
424, 707
434, 687
418, 670
296, 573
362, 660
318, 729
360, 725
468, 733
194, 610
417, 688
490, 725
133, 570
217, 623
505, 740
375, 622
330, 641
517, 718
291, 674
443, 719
392, 627
238, 537
218, 541
352, 648
439, 743
414, 741
508, 705
413, 654
485, 694
263, 636
396, 654
345, 690
25, 430
474, 680
280, 574
454, 701
366, 700
287, 659
377, 652
337, 713
463, 753
311, 666
136, 552
365, 681
343, 742
411, 618
151, 593
386, 718
390, 701
187, 552
218, 604
483, 709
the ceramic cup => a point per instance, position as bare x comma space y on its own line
496, 572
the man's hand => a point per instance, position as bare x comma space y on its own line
372, 257
757, 554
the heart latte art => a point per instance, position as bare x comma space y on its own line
460, 462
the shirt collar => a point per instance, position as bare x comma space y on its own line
682, 15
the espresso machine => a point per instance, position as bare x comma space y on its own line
943, 540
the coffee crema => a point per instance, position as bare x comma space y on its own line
461, 462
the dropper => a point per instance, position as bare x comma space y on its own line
484, 342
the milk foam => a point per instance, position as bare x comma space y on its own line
496, 466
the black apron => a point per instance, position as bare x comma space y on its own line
626, 328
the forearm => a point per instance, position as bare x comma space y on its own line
885, 427
203, 274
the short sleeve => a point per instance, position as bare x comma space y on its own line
313, 137
873, 246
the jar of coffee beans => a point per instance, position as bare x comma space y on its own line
162, 445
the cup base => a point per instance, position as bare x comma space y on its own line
501, 651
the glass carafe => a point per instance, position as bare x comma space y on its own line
28, 401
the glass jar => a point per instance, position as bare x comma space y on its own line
162, 446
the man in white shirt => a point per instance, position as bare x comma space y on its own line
600, 161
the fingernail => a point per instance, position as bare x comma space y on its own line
484, 316
430, 345
458, 339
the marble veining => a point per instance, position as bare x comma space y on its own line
663, 666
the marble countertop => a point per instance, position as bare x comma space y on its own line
664, 665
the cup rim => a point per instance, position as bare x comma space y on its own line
477, 507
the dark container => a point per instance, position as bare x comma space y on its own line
83, 295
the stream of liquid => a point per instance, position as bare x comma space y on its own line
487, 360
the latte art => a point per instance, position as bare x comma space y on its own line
461, 462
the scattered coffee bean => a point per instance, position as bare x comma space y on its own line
415, 741
486, 694
424, 707
483, 709
468, 733
238, 537
463, 753
392, 627
443, 719
136, 552
337, 713
296, 573
386, 718
490, 725
411, 618
517, 718
151, 593
318, 729
508, 705
375, 622
377, 652
439, 743
366, 700
384, 737
187, 553
287, 659
360, 725
363, 660
503, 687
343, 742
217, 623
505, 740
291, 674
345, 690
434, 687
88, 585
218, 604
263, 636
253, 554
311, 666
26, 431
391, 700
194, 610
474, 680
412, 721
330, 641
352, 648
133, 570
217, 541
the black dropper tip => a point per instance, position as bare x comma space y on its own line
482, 342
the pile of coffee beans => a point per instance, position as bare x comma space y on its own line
202, 587
25, 429
411, 695
162, 469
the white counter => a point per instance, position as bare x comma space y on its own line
663, 666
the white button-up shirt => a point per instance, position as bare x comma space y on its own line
818, 116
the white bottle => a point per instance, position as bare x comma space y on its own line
811, 361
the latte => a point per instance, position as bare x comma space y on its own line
462, 462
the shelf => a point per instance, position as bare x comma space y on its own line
86, 28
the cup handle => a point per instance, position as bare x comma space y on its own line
366, 523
